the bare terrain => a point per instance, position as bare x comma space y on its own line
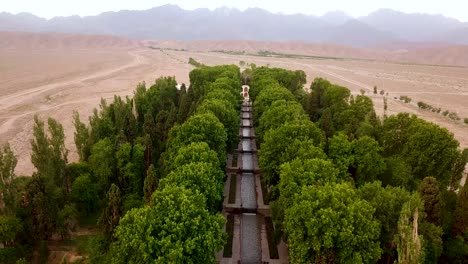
55, 74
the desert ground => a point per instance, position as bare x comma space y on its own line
54, 75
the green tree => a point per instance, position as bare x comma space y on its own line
200, 128
399, 173
162, 95
300, 139
368, 161
40, 148
11, 229
85, 194
226, 115
460, 216
458, 169
431, 150
409, 242
316, 103
280, 112
431, 197
152, 142
267, 97
296, 174
81, 138
102, 162
360, 110
225, 96
42, 200
67, 220
8, 163
432, 243
427, 148
49, 154
388, 203
175, 229
331, 224
151, 183
184, 105
101, 124
326, 123
58, 156
112, 212
131, 164
340, 150
194, 152
200, 177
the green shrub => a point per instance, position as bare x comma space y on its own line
195, 63
406, 99
454, 116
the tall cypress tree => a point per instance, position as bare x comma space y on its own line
430, 195
460, 216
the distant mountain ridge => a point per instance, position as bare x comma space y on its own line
172, 22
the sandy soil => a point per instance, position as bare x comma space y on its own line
422, 53
52, 78
56, 82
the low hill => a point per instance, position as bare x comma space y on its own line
33, 41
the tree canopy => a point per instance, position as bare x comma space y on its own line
175, 228
331, 224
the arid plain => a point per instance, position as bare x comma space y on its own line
53, 75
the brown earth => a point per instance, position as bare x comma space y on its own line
54, 74
421, 53
56, 79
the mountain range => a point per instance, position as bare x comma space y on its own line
381, 27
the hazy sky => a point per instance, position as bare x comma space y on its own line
49, 8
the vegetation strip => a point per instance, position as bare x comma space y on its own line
232, 189
227, 253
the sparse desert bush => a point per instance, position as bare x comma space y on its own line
382, 92
375, 89
363, 92
454, 116
445, 113
465, 120
406, 99
423, 105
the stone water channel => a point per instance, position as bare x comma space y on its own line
243, 180
247, 215
250, 245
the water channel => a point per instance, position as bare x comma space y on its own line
251, 252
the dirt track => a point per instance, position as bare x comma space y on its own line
81, 92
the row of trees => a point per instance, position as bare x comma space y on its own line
347, 187
181, 223
150, 175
